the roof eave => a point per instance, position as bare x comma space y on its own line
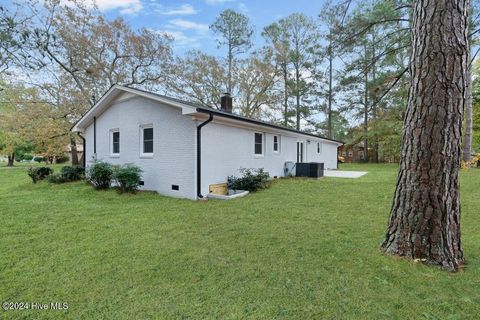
266, 124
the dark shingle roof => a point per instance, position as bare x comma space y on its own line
204, 109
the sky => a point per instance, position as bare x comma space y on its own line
188, 21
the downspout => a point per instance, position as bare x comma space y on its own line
84, 154
95, 137
94, 102
199, 154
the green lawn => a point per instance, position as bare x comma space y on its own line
303, 249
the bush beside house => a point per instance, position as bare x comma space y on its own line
251, 180
127, 177
100, 175
67, 174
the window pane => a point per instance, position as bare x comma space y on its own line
116, 147
258, 148
116, 142
148, 146
258, 138
258, 143
148, 140
148, 134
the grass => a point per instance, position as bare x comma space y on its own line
303, 249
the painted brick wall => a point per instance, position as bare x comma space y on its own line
173, 162
225, 149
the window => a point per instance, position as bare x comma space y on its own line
147, 140
350, 153
276, 144
344, 153
319, 147
299, 151
360, 154
258, 143
115, 142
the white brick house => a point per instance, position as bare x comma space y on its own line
162, 135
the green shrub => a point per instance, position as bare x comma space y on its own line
23, 157
62, 159
100, 174
72, 173
39, 159
127, 177
39, 173
251, 180
67, 174
56, 178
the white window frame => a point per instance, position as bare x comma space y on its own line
142, 153
258, 155
319, 147
112, 154
278, 144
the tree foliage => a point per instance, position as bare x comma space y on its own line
341, 70
27, 121
235, 32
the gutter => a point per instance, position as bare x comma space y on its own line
261, 123
199, 154
95, 137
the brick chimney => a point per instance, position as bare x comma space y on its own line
226, 102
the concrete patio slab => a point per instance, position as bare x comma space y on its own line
344, 174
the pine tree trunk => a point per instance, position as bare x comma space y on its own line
366, 156
467, 146
467, 139
230, 62
330, 90
374, 102
285, 97
297, 97
425, 216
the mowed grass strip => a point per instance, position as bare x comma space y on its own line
304, 249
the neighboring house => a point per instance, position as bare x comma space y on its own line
352, 152
183, 148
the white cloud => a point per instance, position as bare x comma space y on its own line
125, 6
182, 40
188, 25
184, 9
215, 2
186, 34
242, 7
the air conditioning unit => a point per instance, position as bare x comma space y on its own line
310, 170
